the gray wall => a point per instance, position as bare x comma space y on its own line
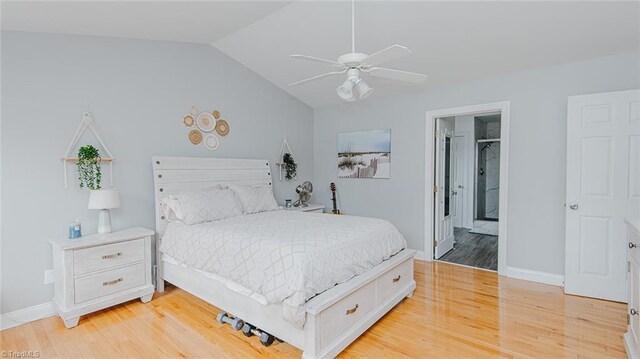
138, 92
537, 151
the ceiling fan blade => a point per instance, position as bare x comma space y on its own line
388, 54
318, 77
317, 59
406, 76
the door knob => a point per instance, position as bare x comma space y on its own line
632, 245
633, 312
454, 193
459, 186
573, 206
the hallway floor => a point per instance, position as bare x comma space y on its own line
475, 250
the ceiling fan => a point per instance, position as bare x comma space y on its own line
356, 63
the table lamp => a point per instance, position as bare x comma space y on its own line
104, 199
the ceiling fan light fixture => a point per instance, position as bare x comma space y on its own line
345, 91
363, 89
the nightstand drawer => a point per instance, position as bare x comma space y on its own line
105, 283
108, 256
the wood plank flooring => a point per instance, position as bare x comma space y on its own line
456, 312
472, 249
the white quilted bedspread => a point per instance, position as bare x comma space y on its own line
286, 256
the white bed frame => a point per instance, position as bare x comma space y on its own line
334, 319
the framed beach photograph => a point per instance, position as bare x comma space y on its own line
364, 154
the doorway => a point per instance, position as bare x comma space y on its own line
465, 206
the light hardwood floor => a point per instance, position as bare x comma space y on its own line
456, 312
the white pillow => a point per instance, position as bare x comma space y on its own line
205, 205
255, 199
169, 207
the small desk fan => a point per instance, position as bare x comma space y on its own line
304, 192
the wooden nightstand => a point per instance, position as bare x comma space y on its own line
313, 208
100, 270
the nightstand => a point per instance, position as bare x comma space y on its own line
101, 270
312, 208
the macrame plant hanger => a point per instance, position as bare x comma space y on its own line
284, 148
86, 122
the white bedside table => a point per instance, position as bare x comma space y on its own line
100, 270
313, 208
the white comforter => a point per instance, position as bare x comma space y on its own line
286, 256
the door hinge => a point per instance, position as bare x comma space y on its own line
435, 134
435, 242
628, 319
435, 189
628, 266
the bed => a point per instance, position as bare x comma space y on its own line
321, 325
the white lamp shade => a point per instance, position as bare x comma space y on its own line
345, 91
104, 199
363, 89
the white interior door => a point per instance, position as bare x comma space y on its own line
459, 179
445, 168
603, 186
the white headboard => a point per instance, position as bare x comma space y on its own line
176, 174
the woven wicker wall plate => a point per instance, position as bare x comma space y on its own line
222, 127
211, 142
188, 120
195, 137
216, 114
206, 122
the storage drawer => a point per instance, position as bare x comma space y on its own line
109, 282
108, 256
342, 315
389, 283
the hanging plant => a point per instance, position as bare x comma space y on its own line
89, 172
290, 166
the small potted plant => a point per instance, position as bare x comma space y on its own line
290, 166
89, 172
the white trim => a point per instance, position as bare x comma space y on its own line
27, 315
465, 266
504, 108
421, 255
535, 276
629, 346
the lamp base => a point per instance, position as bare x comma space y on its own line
104, 221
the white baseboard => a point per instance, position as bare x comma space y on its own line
629, 346
535, 276
26, 315
421, 255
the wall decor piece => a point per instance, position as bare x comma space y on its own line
365, 154
188, 120
86, 123
205, 122
195, 137
89, 171
286, 161
211, 142
222, 127
209, 124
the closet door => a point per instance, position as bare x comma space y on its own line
603, 187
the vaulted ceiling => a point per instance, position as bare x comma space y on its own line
450, 41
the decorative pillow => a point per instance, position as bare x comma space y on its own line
169, 207
210, 204
255, 199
